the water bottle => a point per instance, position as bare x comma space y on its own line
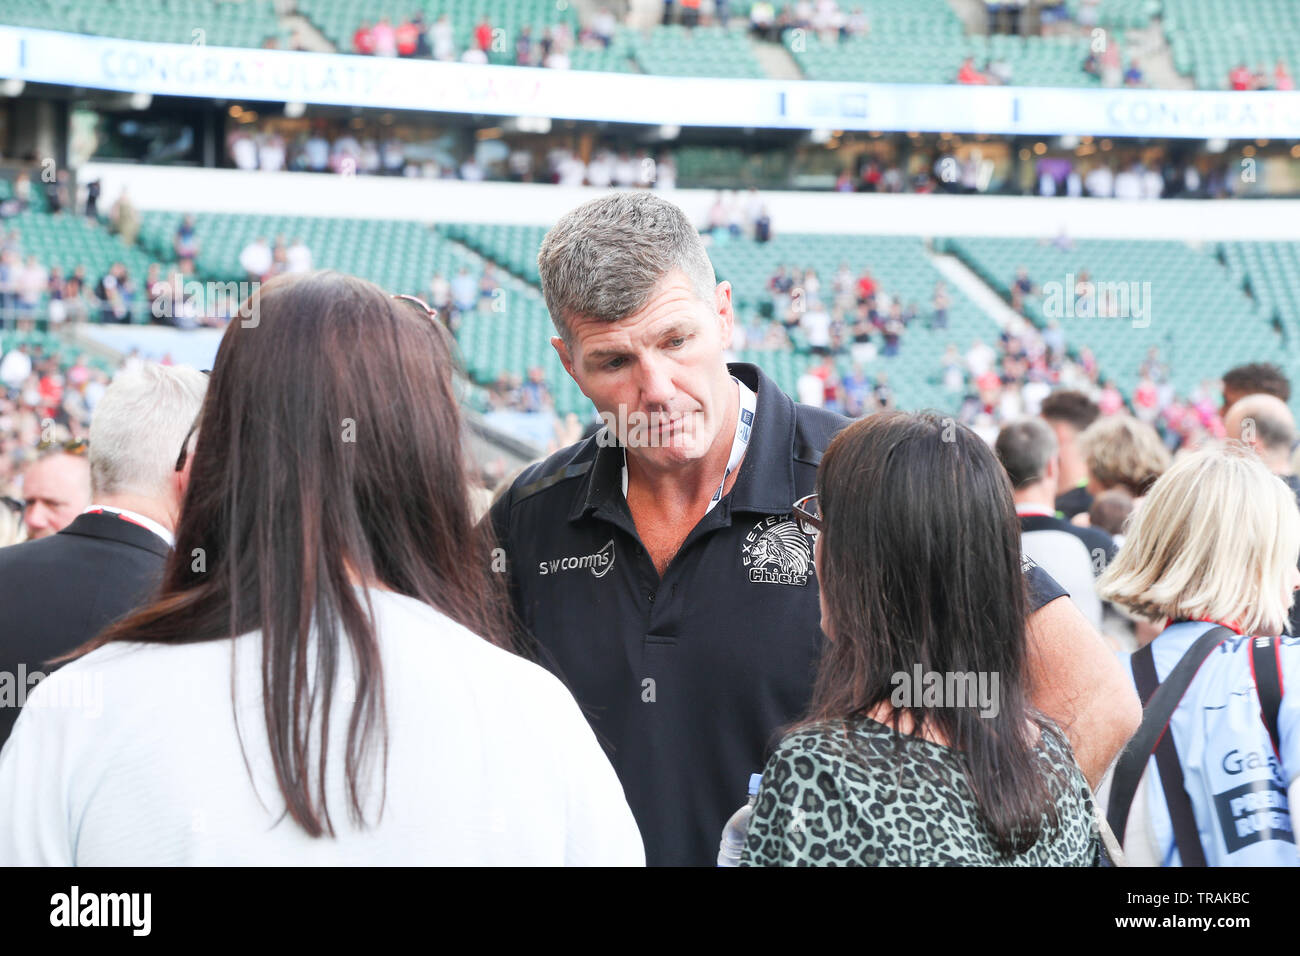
737, 828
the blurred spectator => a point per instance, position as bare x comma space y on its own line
383, 38
185, 244
55, 489
298, 257
969, 75
1253, 379
1109, 513
443, 39
256, 259
125, 218
363, 40
1072, 555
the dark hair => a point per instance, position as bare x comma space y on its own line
920, 564
328, 453
1257, 378
1071, 407
1024, 448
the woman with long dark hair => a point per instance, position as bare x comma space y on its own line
328, 644
921, 746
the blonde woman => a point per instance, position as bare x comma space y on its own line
1213, 552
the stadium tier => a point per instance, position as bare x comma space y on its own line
402, 257
703, 51
921, 41
1209, 38
212, 22
70, 241
339, 20
1181, 300
1205, 309
1270, 271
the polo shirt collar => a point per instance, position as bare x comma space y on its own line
766, 480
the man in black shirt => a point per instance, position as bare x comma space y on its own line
656, 566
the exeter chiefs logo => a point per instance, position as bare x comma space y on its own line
777, 552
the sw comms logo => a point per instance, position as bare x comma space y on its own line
598, 563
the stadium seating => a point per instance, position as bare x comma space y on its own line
400, 257
702, 51
1270, 272
1120, 14
1199, 317
1210, 37
901, 268
338, 20
211, 22
924, 41
68, 241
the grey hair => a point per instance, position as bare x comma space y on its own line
604, 259
139, 425
1024, 448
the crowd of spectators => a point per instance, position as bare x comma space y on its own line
415, 37
1240, 77
826, 19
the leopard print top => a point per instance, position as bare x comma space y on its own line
826, 801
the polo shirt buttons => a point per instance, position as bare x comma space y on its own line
650, 596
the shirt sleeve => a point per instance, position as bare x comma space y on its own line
35, 819
790, 825
1043, 589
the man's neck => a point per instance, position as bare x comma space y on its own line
150, 508
1074, 471
1037, 497
695, 481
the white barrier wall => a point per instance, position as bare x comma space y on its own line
377, 197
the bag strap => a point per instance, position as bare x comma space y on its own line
1159, 701
1266, 672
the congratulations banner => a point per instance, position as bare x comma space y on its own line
171, 69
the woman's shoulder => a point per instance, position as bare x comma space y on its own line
415, 634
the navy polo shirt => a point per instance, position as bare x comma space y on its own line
687, 681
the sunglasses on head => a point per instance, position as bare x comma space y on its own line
73, 446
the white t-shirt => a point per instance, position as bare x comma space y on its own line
129, 756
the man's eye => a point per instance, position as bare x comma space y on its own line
614, 364
677, 342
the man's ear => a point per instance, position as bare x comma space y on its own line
726, 314
562, 351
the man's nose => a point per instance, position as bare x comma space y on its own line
657, 387
37, 519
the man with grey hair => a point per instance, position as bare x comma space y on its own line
656, 566
60, 591
1074, 556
